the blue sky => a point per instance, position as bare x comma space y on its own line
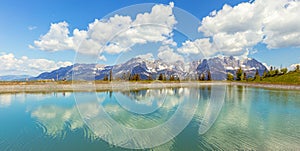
23, 22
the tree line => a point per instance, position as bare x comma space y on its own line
161, 77
137, 77
203, 77
241, 75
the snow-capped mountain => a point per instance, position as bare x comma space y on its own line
149, 68
77, 72
218, 66
221, 66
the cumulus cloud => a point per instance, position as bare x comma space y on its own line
56, 39
232, 30
113, 35
170, 42
10, 65
235, 30
147, 56
199, 46
167, 54
282, 24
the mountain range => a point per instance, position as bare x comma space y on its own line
219, 67
15, 77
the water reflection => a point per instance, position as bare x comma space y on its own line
118, 126
110, 120
54, 119
213, 107
250, 118
117, 122
7, 99
142, 101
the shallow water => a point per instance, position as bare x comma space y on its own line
247, 118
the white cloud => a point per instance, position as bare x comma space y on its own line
160, 15
231, 20
32, 27
10, 65
56, 39
147, 56
156, 26
230, 31
282, 24
113, 35
170, 42
235, 30
167, 54
102, 58
199, 46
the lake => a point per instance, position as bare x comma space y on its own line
203, 118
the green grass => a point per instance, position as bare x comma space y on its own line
289, 78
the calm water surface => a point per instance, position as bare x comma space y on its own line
250, 118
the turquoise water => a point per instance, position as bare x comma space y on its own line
248, 119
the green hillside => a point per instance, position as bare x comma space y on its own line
292, 77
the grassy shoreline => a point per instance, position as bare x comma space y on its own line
90, 86
284, 86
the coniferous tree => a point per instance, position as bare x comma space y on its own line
239, 73
133, 77
172, 78
272, 71
208, 75
257, 76
138, 77
202, 77
297, 68
160, 77
105, 78
245, 76
110, 75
